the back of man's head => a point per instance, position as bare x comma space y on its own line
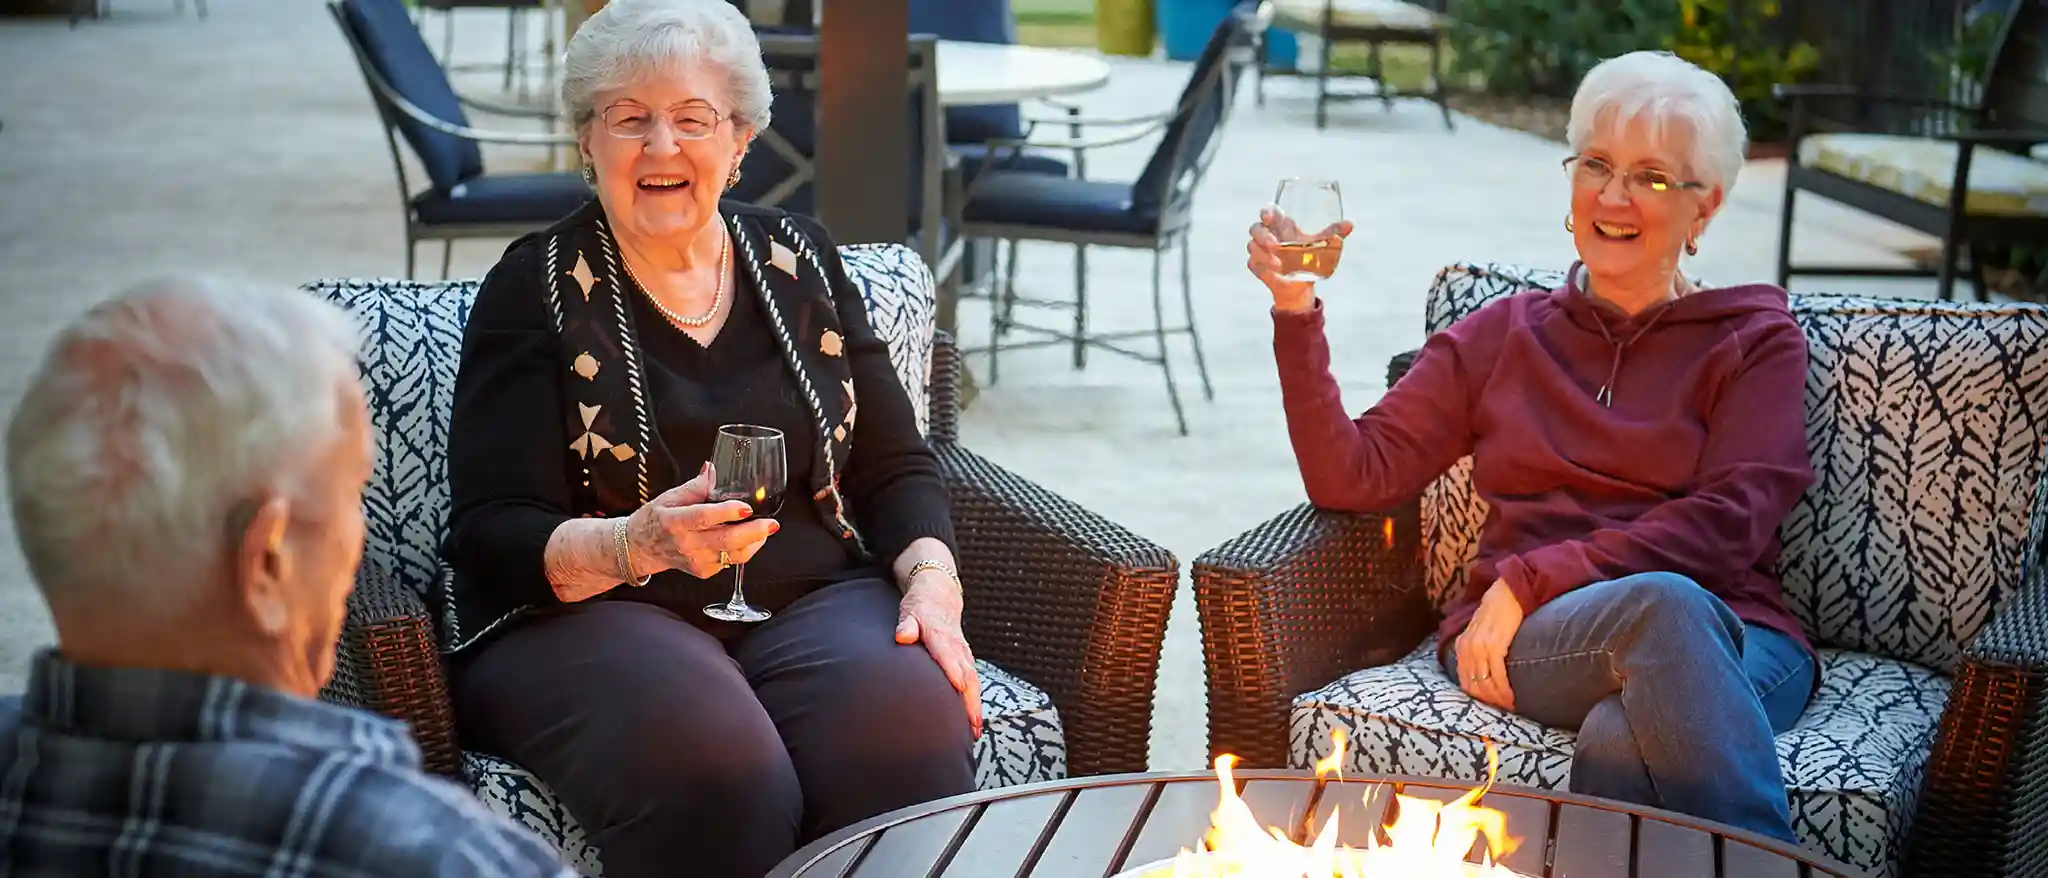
185, 471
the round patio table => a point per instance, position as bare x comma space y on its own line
1101, 826
994, 73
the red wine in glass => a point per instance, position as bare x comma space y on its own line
747, 464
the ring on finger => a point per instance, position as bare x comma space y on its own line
724, 560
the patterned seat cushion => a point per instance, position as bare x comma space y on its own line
1853, 763
1307, 15
1020, 743
2001, 183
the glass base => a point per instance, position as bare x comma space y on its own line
732, 612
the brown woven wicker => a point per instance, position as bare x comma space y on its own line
1313, 595
1070, 601
1984, 805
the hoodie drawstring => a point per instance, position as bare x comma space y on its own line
1605, 396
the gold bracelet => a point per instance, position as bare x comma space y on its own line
933, 564
625, 557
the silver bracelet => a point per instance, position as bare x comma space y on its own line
933, 564
625, 558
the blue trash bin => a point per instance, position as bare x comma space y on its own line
1185, 27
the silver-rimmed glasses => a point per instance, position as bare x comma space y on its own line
688, 121
1593, 172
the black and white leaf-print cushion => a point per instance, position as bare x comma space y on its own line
518, 795
1925, 423
1021, 739
903, 305
1020, 743
412, 347
1852, 764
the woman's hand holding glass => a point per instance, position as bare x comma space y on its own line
1298, 240
681, 530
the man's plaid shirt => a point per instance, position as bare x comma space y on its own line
124, 772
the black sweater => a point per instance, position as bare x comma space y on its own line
509, 470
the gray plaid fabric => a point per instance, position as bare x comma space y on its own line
127, 772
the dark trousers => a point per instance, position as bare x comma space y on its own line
680, 753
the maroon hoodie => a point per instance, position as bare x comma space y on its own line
1606, 445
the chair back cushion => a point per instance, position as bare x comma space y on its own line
1925, 422
1204, 101
393, 48
413, 345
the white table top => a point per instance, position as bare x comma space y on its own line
992, 73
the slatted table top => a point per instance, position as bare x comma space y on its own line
1101, 826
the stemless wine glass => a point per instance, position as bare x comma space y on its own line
1308, 210
747, 463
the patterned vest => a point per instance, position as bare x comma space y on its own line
616, 455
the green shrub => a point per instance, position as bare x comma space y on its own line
1545, 46
1740, 49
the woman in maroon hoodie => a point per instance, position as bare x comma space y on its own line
1639, 439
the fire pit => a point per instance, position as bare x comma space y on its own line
1418, 837
1236, 823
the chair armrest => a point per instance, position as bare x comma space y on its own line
1066, 599
1986, 793
1296, 602
387, 663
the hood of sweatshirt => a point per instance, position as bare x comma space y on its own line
1709, 305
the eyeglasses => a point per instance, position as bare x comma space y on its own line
1593, 173
691, 121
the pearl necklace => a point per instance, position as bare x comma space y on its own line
717, 299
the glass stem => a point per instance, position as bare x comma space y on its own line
739, 586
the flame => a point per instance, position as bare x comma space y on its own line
1428, 839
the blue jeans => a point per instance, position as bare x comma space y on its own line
1675, 699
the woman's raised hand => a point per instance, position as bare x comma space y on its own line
680, 531
1264, 259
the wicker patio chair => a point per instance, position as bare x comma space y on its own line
1917, 562
1066, 610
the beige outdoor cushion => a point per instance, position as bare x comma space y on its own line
1307, 15
2000, 183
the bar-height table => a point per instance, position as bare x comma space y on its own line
1101, 826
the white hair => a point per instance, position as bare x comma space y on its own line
628, 39
156, 419
1663, 89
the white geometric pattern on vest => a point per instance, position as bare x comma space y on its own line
1926, 424
412, 348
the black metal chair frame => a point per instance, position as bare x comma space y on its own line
777, 49
515, 59
1331, 32
1176, 200
2002, 121
391, 106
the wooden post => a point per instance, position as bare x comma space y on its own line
864, 141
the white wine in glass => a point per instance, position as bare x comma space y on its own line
1309, 211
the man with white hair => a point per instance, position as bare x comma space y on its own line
186, 473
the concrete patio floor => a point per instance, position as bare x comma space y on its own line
246, 145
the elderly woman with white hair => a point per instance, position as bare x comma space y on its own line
600, 361
1639, 438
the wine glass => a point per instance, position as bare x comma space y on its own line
1308, 210
747, 464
